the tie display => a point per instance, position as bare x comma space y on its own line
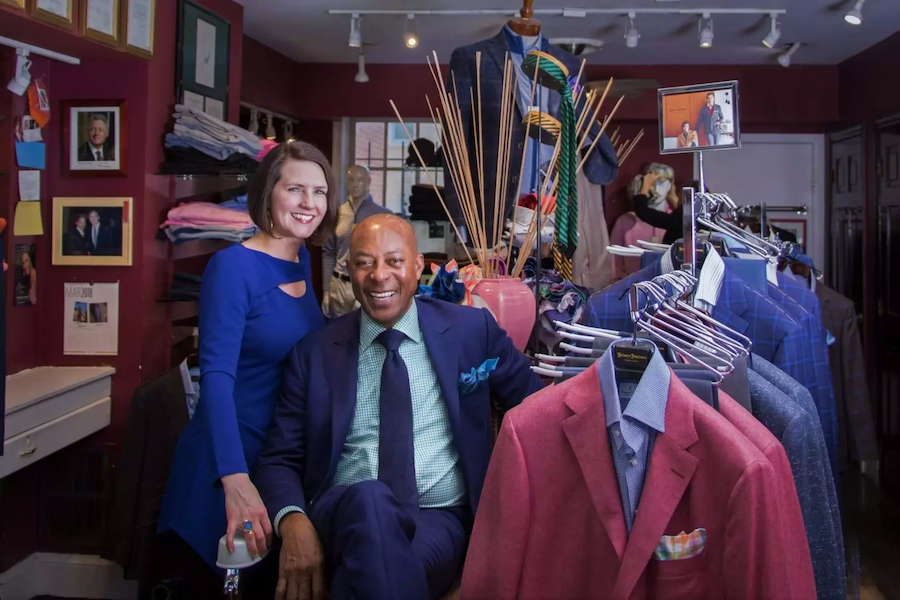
396, 460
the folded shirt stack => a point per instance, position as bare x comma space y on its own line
201, 134
204, 220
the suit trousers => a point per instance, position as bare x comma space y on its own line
376, 549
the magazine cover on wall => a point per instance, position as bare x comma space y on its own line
694, 118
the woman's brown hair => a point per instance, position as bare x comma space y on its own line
259, 196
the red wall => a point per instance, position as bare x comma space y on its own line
870, 88
270, 79
35, 332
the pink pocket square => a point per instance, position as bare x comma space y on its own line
681, 546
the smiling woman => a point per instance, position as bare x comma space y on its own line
254, 308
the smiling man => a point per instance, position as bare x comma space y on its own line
374, 466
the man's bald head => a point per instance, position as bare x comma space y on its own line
358, 180
385, 267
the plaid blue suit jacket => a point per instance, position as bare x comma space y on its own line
775, 336
803, 306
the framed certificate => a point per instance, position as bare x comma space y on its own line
202, 59
100, 20
139, 26
57, 12
16, 3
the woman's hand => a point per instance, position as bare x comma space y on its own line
242, 503
649, 180
672, 198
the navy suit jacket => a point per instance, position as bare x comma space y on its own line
775, 336
601, 168
318, 398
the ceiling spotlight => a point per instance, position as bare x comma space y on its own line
411, 31
361, 76
631, 34
854, 15
355, 40
270, 126
774, 34
784, 59
706, 33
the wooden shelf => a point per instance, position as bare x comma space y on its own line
181, 311
198, 248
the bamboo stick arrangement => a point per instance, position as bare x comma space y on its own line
447, 116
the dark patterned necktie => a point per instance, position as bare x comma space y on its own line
396, 461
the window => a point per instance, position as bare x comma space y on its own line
383, 147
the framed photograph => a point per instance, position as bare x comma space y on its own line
26, 274
57, 12
92, 231
100, 20
796, 227
16, 3
202, 55
694, 118
139, 26
94, 140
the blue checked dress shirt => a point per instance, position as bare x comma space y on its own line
634, 415
517, 54
439, 477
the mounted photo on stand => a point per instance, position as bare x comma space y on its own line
695, 118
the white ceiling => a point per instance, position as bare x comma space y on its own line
304, 31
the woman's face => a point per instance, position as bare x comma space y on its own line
299, 199
26, 264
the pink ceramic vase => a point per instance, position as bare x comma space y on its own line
513, 305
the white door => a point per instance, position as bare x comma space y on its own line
780, 170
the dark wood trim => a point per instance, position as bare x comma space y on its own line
871, 262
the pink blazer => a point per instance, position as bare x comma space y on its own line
550, 521
627, 230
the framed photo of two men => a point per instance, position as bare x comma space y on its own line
92, 231
694, 118
94, 138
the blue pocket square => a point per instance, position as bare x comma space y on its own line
469, 381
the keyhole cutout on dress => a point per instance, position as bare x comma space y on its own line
296, 289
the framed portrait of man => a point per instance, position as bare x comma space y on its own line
92, 231
94, 139
694, 118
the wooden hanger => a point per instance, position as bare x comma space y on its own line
525, 25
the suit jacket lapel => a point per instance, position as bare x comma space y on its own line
671, 470
587, 434
446, 366
342, 359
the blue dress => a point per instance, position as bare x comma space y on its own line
248, 325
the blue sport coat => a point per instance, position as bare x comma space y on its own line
318, 398
601, 168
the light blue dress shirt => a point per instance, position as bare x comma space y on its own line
635, 413
517, 53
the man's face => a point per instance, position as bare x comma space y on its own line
710, 99
385, 267
80, 223
97, 133
357, 181
94, 217
686, 128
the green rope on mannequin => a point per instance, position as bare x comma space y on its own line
567, 191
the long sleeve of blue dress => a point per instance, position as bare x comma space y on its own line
224, 305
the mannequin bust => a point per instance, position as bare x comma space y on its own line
338, 295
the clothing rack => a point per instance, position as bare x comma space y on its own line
752, 210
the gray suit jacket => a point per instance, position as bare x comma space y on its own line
856, 424
602, 166
788, 411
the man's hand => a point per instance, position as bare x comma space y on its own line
301, 568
